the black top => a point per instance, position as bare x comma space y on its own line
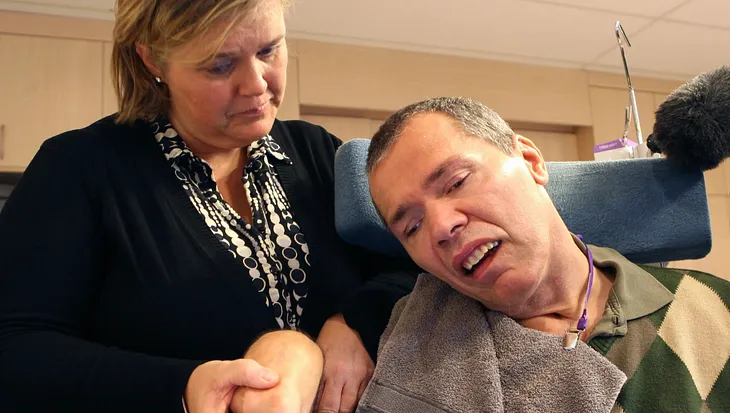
113, 288
272, 247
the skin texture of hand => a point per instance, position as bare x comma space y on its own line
211, 386
347, 367
297, 360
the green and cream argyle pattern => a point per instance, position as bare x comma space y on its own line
676, 359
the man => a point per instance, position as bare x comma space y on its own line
465, 196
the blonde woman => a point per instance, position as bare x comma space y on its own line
144, 255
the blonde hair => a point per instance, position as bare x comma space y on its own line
162, 26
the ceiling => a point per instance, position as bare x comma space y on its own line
670, 38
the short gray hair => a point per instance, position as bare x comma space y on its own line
472, 117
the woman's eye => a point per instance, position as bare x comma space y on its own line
267, 52
221, 67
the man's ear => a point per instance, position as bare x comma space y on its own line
533, 158
144, 53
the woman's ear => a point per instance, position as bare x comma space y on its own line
144, 53
533, 158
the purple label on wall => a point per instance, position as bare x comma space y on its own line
615, 144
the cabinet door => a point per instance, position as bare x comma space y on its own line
109, 96
47, 86
554, 146
344, 127
289, 109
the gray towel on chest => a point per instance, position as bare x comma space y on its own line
444, 352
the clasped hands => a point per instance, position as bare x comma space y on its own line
300, 376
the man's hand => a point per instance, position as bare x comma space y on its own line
298, 360
211, 386
347, 367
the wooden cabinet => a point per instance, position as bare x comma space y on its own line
109, 96
555, 146
48, 86
718, 180
383, 80
345, 127
289, 109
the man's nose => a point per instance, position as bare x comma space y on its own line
445, 223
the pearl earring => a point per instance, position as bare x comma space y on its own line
158, 80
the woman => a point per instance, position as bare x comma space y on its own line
144, 254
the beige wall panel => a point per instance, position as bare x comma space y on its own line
289, 109
343, 127
55, 26
718, 179
716, 262
375, 125
292, 47
585, 143
554, 146
639, 83
109, 97
385, 80
48, 86
608, 106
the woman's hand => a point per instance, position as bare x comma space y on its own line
298, 360
347, 367
211, 386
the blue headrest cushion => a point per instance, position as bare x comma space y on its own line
649, 210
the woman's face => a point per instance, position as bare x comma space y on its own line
231, 101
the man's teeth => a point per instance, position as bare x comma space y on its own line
478, 254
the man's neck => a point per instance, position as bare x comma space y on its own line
561, 298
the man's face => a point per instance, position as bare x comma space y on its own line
466, 212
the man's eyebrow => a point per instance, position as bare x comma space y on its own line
452, 162
449, 164
399, 214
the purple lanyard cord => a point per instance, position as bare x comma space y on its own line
572, 335
583, 322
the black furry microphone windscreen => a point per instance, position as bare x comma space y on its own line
692, 126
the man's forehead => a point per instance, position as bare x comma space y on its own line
432, 125
422, 143
425, 142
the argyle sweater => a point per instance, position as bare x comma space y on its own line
676, 359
